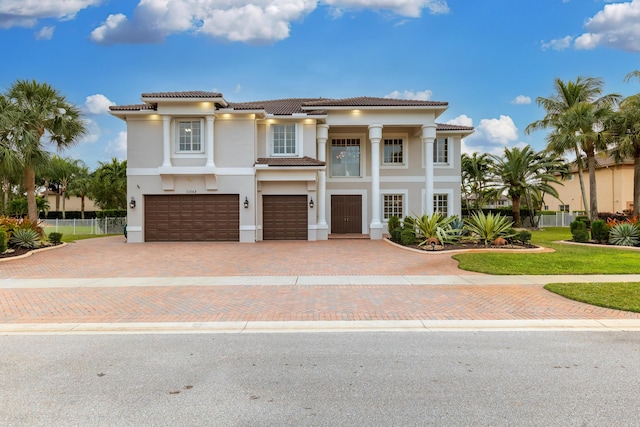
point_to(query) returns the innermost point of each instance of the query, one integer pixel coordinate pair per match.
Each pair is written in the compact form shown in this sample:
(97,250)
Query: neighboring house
(71,204)
(203,168)
(502,202)
(614,183)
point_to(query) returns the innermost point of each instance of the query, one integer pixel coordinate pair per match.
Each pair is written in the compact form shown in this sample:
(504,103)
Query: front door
(346,214)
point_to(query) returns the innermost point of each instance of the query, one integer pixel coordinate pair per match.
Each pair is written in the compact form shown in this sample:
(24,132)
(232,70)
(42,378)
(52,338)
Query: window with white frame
(441,150)
(393,151)
(441,204)
(392,205)
(284,140)
(345,157)
(563,208)
(189,135)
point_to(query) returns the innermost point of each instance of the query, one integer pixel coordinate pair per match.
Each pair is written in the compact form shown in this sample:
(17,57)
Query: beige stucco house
(614,184)
(204,168)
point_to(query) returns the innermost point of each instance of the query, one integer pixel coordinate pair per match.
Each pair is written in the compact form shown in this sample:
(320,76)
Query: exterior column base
(322,232)
(376,231)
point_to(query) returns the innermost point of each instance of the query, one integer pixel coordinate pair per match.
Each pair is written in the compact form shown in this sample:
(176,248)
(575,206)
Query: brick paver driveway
(113,258)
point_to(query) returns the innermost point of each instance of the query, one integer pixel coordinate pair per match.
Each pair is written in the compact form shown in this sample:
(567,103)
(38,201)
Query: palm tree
(475,178)
(627,141)
(577,113)
(80,186)
(635,73)
(523,172)
(62,172)
(32,110)
(109,185)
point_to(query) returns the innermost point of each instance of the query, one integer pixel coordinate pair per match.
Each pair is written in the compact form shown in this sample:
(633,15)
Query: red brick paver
(286,303)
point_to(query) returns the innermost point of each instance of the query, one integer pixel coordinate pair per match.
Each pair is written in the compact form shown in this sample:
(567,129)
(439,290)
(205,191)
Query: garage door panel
(284,217)
(192,218)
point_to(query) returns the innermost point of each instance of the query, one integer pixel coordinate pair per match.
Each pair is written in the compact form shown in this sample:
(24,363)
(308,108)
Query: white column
(209,142)
(428,138)
(166,141)
(322,134)
(375,228)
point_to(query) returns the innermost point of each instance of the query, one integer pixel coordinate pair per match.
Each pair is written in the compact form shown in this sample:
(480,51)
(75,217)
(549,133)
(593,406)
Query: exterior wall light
(246,203)
(311,205)
(132,203)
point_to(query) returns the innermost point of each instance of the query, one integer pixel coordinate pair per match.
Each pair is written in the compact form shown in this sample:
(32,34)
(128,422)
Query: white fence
(560,219)
(85,226)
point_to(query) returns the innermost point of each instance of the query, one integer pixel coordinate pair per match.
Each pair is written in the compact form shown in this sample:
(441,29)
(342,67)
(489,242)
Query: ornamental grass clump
(26,238)
(432,228)
(624,234)
(488,227)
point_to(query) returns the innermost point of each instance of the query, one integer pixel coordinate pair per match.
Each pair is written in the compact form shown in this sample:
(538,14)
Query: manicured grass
(620,296)
(73,237)
(567,259)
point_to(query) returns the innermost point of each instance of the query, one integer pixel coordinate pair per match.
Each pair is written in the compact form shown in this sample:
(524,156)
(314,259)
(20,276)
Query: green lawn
(567,259)
(73,237)
(620,296)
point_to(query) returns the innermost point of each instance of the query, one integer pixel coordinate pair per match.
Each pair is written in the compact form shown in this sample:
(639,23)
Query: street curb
(557,325)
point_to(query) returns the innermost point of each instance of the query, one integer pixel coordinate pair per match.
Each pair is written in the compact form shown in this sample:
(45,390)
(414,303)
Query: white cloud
(93,132)
(118,147)
(45,33)
(409,8)
(558,44)
(98,104)
(25,13)
(491,135)
(258,21)
(616,26)
(424,95)
(461,120)
(521,100)
(238,89)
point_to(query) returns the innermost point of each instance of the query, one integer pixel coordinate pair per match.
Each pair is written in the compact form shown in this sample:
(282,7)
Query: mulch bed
(470,245)
(22,251)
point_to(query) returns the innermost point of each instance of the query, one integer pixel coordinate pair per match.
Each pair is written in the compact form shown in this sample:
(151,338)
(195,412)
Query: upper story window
(189,135)
(345,157)
(441,150)
(284,140)
(393,151)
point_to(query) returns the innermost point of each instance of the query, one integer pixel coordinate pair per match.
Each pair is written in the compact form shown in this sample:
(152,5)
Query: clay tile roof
(278,107)
(289,161)
(135,107)
(444,127)
(187,94)
(365,101)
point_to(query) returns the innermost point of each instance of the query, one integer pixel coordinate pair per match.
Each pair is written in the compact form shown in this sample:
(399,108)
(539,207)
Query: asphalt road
(322,379)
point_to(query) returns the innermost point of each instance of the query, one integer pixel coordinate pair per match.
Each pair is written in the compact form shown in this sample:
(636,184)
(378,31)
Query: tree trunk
(581,178)
(30,186)
(636,182)
(515,210)
(593,194)
(5,193)
(64,214)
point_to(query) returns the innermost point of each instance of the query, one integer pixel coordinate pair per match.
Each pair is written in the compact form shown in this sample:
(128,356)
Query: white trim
(365,204)
(248,228)
(134,228)
(176,138)
(449,194)
(405,198)
(449,165)
(405,153)
(297,132)
(189,170)
(400,178)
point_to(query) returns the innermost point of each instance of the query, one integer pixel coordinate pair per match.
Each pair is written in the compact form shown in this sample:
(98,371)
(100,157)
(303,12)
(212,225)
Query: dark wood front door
(346,214)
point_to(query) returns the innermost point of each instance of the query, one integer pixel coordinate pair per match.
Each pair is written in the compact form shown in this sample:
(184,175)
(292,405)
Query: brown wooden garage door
(192,218)
(284,218)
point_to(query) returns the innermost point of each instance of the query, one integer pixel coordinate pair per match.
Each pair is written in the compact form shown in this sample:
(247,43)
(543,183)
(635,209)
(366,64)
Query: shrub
(55,237)
(408,237)
(396,234)
(25,238)
(408,222)
(523,236)
(489,227)
(434,226)
(624,234)
(584,219)
(600,231)
(577,225)
(393,223)
(3,241)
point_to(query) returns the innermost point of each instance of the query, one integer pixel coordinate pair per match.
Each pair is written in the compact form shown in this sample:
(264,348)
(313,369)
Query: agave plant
(430,228)
(489,227)
(624,234)
(27,238)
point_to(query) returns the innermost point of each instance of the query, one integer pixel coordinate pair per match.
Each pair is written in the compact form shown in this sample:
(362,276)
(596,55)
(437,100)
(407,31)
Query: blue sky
(490,59)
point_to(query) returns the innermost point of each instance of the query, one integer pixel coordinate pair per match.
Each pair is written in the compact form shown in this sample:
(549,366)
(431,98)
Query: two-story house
(203,168)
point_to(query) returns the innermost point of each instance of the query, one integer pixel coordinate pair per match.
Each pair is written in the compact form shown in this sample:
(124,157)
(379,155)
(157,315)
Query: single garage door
(284,218)
(192,218)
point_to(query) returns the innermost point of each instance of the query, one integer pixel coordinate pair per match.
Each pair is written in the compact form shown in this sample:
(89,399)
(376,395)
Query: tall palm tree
(577,112)
(627,141)
(37,109)
(80,186)
(475,178)
(520,173)
(635,73)
(62,172)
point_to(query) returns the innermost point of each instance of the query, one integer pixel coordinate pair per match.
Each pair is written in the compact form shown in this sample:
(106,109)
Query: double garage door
(284,217)
(192,218)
